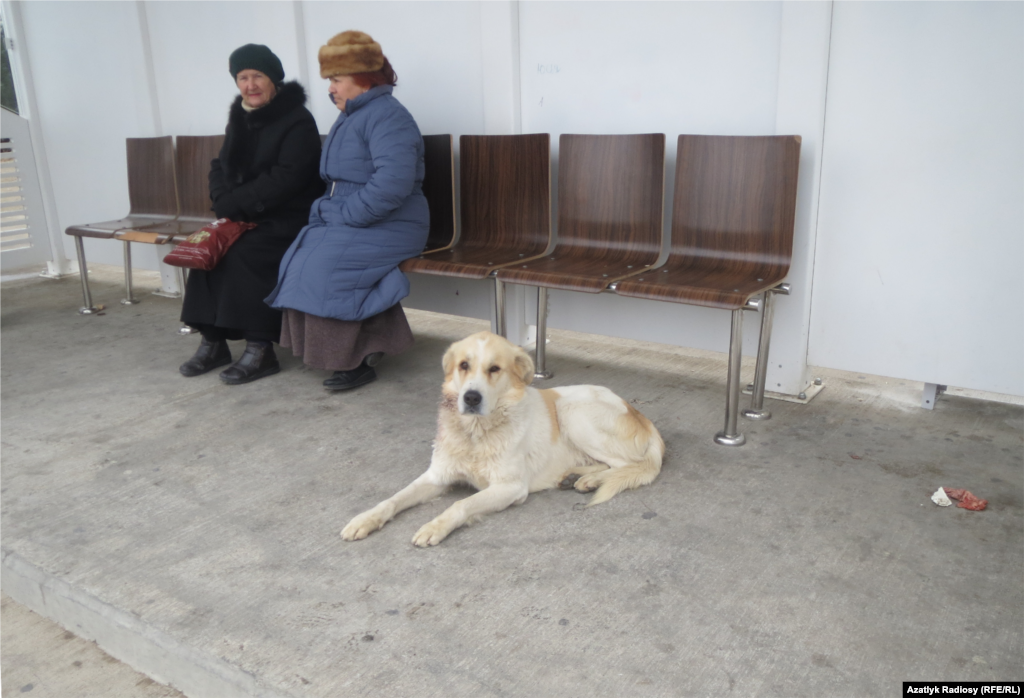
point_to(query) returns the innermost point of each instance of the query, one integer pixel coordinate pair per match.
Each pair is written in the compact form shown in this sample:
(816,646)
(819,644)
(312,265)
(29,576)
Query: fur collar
(289,96)
(238,142)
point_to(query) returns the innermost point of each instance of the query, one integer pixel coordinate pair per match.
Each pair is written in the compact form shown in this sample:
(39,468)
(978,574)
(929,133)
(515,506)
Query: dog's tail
(628,477)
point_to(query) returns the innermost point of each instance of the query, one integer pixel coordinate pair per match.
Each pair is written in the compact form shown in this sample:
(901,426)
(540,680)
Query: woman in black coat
(267,173)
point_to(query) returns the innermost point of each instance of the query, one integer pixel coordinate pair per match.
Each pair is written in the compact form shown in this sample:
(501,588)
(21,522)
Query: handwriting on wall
(547,69)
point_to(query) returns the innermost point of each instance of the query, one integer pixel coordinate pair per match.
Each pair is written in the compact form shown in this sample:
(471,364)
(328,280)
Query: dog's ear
(524,366)
(448,362)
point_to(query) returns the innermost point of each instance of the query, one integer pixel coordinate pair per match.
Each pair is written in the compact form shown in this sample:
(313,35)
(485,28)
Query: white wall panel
(647,67)
(918,272)
(90,92)
(191,42)
(433,46)
(499,38)
(803,81)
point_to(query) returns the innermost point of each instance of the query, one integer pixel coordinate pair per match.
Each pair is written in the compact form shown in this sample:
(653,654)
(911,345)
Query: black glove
(227,207)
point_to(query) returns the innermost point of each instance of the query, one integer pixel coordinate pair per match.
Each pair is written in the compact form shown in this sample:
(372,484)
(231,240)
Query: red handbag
(205,248)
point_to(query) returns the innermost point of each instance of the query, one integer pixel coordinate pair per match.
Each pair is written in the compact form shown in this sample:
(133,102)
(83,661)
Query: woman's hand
(226,207)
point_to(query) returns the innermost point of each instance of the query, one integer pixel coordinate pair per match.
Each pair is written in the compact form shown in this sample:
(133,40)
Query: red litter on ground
(965,500)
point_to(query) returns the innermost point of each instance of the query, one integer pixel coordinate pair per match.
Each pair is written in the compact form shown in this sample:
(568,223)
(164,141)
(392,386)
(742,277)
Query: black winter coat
(267,173)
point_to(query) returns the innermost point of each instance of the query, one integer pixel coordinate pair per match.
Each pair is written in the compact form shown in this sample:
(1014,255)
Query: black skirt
(231,295)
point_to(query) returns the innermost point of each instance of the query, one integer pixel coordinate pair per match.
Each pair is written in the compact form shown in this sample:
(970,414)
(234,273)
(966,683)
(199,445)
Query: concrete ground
(42,658)
(191,528)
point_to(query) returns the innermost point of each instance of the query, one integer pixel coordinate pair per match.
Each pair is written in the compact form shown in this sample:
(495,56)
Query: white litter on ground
(940,498)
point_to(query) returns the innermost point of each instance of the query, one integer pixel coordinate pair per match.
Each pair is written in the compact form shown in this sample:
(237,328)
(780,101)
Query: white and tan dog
(507,439)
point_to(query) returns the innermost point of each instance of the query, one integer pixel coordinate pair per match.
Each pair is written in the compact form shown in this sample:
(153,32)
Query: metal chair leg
(129,297)
(499,307)
(539,369)
(730,436)
(83,271)
(757,411)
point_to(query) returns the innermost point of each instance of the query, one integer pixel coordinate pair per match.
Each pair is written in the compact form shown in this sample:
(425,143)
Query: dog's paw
(569,481)
(588,483)
(430,534)
(361,526)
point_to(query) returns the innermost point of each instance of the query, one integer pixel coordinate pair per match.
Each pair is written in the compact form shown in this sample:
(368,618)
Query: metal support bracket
(540,369)
(499,307)
(757,412)
(931,394)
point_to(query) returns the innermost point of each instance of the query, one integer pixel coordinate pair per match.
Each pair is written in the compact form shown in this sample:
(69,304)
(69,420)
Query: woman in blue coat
(339,284)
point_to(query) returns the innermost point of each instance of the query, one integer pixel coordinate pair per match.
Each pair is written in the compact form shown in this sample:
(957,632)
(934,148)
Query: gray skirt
(341,345)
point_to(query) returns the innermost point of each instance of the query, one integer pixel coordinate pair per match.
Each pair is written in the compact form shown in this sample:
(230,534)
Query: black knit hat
(256,57)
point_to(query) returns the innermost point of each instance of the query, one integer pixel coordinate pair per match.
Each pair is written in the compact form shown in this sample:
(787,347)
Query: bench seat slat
(506,207)
(589,274)
(439,189)
(470,262)
(732,221)
(610,207)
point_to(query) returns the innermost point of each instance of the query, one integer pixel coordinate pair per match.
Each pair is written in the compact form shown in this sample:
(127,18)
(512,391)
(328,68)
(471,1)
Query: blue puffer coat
(344,264)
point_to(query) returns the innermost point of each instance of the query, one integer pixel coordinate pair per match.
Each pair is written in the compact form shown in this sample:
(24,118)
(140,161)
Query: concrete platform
(191,528)
(44,659)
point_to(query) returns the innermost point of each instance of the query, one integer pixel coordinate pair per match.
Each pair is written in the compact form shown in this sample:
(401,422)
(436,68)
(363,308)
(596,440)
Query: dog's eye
(464,366)
(494,369)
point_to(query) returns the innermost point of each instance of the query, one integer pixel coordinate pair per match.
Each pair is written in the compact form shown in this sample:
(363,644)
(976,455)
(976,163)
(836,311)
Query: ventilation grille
(14,232)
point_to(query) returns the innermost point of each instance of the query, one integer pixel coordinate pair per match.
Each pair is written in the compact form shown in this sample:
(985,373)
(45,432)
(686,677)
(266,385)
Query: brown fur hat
(350,52)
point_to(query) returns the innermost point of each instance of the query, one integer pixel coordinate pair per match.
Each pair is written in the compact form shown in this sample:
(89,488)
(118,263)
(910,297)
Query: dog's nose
(472,398)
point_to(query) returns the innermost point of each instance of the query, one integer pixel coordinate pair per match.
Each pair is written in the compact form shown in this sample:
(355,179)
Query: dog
(507,439)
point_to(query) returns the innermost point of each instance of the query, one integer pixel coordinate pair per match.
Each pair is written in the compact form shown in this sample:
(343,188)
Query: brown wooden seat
(732,239)
(732,222)
(192,158)
(506,207)
(439,189)
(610,207)
(611,191)
(151,198)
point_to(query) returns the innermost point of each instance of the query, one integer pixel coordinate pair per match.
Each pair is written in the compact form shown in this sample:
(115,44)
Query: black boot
(360,375)
(258,360)
(210,355)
